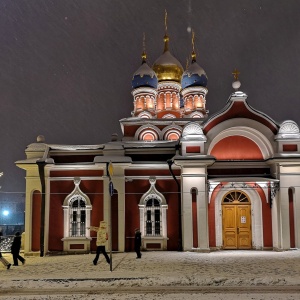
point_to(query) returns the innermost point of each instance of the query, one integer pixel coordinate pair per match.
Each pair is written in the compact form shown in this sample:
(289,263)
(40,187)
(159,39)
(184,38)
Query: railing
(5,243)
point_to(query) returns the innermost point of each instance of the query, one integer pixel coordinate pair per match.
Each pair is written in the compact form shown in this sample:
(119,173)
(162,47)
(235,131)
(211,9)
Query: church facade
(187,180)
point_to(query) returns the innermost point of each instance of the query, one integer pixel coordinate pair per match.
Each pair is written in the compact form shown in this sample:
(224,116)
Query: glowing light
(5,213)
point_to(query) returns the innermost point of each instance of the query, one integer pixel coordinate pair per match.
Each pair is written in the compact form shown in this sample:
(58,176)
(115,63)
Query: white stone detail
(145,115)
(169,116)
(193,131)
(171,129)
(148,128)
(289,127)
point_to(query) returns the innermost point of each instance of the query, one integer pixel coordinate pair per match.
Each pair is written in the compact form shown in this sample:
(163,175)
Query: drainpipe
(41,165)
(170,162)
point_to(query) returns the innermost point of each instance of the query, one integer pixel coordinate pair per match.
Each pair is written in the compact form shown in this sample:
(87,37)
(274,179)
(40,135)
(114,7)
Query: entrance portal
(236,208)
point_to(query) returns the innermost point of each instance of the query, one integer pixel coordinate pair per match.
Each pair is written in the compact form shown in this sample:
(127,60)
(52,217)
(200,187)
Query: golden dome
(167,67)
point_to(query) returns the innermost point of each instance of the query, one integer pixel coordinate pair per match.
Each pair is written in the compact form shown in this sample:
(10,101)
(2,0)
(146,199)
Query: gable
(239,109)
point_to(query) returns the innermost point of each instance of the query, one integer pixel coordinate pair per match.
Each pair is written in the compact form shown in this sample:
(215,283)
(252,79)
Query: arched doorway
(236,220)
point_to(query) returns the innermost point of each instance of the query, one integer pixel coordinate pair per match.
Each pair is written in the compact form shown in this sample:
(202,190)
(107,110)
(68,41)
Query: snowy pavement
(158,275)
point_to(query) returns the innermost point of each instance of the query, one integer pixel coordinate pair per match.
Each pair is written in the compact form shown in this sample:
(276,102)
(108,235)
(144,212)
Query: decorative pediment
(153,193)
(193,131)
(288,130)
(77,192)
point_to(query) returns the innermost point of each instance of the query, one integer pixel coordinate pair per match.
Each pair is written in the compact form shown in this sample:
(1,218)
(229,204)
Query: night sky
(66,66)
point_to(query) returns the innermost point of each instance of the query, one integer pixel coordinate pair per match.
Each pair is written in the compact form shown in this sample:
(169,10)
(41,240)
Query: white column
(194,178)
(275,223)
(202,216)
(297,216)
(32,185)
(284,214)
(106,207)
(47,211)
(186,210)
(119,185)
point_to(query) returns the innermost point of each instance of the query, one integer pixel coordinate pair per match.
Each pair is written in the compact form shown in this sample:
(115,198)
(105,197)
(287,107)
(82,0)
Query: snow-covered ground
(158,275)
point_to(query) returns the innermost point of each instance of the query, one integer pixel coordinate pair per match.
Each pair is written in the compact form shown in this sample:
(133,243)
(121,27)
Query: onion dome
(167,67)
(144,76)
(194,75)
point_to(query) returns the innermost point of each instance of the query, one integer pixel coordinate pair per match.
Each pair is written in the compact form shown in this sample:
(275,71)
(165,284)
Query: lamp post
(109,169)
(170,163)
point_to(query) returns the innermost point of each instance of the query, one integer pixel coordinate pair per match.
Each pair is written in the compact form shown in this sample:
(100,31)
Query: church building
(189,181)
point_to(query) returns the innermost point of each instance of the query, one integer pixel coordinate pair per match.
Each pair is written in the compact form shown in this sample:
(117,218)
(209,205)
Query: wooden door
(236,222)
(243,227)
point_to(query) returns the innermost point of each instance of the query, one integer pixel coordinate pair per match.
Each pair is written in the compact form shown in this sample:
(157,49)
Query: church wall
(60,189)
(94,190)
(135,190)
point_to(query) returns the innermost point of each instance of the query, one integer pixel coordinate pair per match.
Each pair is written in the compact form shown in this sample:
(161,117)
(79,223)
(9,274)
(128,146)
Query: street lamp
(5,213)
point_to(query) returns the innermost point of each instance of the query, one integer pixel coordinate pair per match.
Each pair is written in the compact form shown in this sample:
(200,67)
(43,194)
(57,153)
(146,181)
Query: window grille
(77,217)
(153,218)
(234,197)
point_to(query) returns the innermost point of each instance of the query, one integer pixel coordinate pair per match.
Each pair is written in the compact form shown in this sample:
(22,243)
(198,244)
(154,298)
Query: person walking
(4,261)
(137,243)
(15,249)
(102,237)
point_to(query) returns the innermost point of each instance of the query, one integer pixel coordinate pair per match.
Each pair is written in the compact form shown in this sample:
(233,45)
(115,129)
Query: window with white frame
(77,210)
(153,215)
(153,212)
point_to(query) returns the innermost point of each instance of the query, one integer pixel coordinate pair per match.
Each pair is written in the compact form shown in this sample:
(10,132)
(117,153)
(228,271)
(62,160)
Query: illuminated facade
(188,180)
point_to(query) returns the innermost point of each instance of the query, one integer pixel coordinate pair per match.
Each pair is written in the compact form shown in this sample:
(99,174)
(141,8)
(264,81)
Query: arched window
(153,217)
(77,219)
(77,214)
(236,197)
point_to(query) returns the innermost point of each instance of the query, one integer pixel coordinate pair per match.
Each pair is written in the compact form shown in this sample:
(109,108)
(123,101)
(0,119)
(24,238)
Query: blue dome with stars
(194,76)
(144,77)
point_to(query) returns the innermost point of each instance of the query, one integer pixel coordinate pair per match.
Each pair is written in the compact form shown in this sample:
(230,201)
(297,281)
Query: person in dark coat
(15,250)
(137,243)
